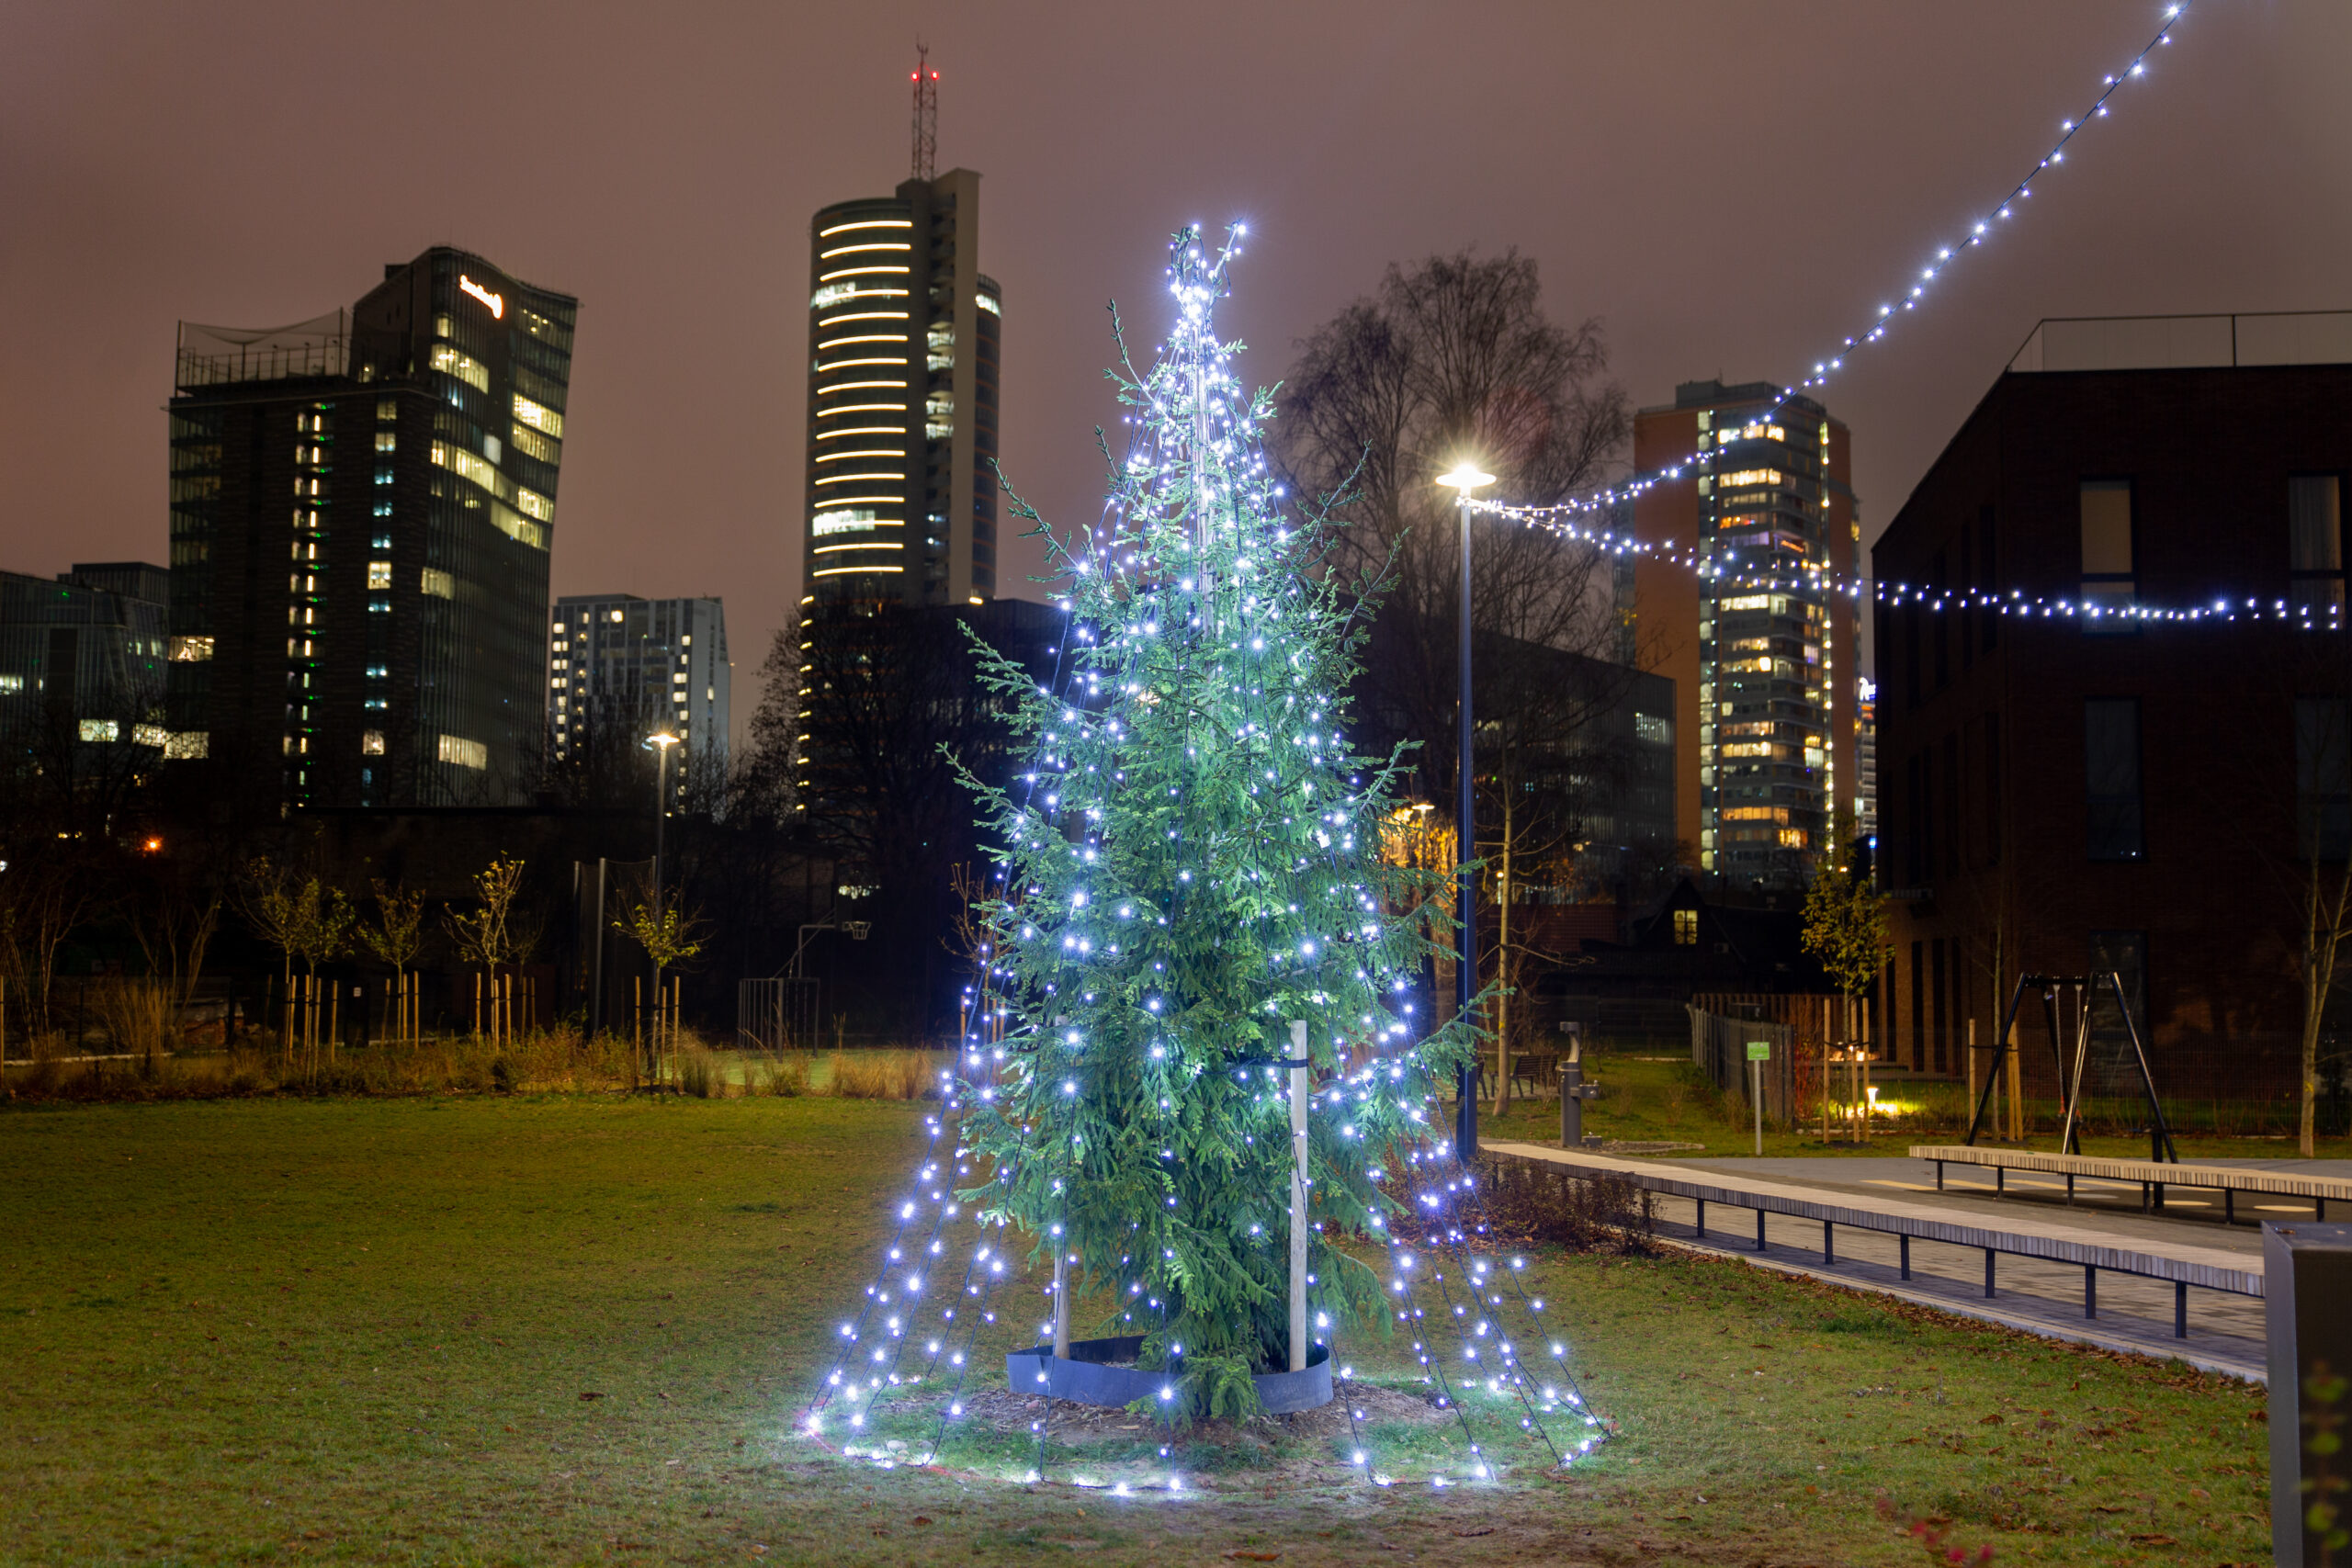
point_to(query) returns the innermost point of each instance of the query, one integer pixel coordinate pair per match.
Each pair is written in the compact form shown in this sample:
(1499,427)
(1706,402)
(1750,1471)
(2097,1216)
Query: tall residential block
(903,340)
(362,510)
(621,669)
(1762,641)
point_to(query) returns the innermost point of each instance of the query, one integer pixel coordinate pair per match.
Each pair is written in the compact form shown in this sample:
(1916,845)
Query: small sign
(1759,1050)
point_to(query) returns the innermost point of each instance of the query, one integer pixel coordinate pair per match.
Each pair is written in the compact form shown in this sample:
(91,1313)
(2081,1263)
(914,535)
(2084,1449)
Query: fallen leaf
(1254,1556)
(592,1396)
(1996,1419)
(920,1520)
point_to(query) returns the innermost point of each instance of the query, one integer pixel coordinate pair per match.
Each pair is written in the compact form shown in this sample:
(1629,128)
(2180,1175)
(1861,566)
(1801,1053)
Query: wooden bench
(2181,1265)
(2152,1175)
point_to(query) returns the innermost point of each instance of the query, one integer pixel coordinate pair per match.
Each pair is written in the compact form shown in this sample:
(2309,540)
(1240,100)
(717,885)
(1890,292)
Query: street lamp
(1465,479)
(661,741)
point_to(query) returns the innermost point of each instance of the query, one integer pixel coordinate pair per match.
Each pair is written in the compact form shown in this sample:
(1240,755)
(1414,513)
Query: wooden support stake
(1298,1195)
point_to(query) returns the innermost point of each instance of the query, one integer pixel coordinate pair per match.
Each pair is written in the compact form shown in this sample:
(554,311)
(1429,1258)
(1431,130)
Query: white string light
(1561,516)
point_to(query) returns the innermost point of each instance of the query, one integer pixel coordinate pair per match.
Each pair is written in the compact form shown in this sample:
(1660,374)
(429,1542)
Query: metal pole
(1061,1297)
(1756,1096)
(1298,1195)
(661,816)
(1466,967)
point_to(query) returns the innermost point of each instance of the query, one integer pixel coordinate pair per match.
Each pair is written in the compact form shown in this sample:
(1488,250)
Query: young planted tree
(670,934)
(485,934)
(1845,926)
(396,937)
(299,915)
(1190,862)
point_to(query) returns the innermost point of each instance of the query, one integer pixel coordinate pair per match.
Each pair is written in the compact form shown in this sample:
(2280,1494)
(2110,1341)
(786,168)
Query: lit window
(837,293)
(379,574)
(530,443)
(538,416)
(1745,476)
(179,745)
(371,742)
(464,753)
(99,729)
(438,583)
(386,441)
(464,367)
(616,616)
(1685,928)
(387,410)
(989,302)
(190,650)
(843,520)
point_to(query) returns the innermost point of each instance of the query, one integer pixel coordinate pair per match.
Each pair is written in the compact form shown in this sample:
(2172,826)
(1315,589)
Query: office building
(904,339)
(1762,648)
(362,510)
(82,655)
(621,668)
(2067,788)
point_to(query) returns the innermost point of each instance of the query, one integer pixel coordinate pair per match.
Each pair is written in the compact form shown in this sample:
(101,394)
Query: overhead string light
(1907,297)
(2017,602)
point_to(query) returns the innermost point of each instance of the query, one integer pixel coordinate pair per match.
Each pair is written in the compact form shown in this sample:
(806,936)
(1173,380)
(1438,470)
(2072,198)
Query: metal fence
(776,1014)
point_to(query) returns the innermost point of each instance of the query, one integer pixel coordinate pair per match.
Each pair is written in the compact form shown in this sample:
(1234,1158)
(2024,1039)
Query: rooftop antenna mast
(926,113)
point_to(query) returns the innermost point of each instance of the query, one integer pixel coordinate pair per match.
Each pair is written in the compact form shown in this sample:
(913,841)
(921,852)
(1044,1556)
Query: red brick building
(2061,789)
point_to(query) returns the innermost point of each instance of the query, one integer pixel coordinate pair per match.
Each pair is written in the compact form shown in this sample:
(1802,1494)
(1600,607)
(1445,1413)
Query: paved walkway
(2226,1331)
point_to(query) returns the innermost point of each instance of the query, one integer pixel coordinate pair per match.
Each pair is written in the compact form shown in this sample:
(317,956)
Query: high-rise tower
(396,462)
(1761,649)
(903,338)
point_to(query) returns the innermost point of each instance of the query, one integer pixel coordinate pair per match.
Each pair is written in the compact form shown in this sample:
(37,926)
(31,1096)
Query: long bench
(2183,1264)
(2152,1175)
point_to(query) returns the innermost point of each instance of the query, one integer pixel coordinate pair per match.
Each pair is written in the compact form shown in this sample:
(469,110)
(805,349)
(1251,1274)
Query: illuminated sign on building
(497,302)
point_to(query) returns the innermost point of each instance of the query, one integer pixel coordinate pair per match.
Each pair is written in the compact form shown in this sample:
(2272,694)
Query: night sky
(1732,188)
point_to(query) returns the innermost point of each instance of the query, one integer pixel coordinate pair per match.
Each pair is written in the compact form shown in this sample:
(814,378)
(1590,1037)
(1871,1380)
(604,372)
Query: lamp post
(661,741)
(1465,479)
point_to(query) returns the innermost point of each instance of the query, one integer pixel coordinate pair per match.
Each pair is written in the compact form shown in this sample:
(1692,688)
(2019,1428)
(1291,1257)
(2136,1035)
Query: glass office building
(397,463)
(904,334)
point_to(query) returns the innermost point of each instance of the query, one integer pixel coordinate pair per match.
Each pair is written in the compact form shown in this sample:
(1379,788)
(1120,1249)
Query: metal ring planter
(1084,1376)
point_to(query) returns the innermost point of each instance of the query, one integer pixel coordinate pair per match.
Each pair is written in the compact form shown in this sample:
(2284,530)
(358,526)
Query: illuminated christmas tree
(1191,864)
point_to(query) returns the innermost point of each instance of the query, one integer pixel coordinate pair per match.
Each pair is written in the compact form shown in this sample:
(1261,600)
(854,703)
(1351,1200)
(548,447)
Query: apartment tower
(1760,640)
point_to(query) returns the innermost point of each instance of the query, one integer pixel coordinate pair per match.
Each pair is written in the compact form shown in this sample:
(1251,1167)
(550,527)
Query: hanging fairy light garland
(1562,518)
(2015,603)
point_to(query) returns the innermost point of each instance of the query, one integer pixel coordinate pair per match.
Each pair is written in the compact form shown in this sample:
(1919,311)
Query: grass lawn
(577,1329)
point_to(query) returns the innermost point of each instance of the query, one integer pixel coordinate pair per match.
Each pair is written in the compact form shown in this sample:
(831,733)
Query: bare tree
(1453,359)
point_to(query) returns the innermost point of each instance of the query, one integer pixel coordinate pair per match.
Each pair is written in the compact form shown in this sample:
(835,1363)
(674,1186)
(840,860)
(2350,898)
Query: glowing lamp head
(1466,476)
(663,739)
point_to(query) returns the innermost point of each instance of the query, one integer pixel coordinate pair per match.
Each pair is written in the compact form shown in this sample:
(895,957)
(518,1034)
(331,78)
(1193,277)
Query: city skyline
(681,228)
